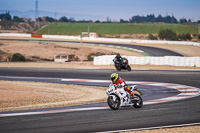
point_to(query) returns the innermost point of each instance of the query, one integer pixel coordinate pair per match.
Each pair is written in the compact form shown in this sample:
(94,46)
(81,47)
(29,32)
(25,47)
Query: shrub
(18,57)
(185,37)
(90,57)
(167,34)
(198,37)
(72,57)
(152,37)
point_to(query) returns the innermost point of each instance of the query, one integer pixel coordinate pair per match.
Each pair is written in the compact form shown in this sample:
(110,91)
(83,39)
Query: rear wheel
(113,103)
(128,68)
(118,68)
(137,100)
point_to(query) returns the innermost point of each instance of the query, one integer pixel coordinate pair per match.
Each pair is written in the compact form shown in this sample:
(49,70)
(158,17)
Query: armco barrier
(15,34)
(104,39)
(166,60)
(61,37)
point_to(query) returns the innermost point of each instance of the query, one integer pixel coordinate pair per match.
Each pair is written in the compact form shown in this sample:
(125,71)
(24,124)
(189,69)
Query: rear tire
(113,104)
(118,69)
(128,68)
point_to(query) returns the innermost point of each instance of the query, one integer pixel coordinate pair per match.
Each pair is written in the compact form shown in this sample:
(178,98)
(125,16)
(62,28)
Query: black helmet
(118,54)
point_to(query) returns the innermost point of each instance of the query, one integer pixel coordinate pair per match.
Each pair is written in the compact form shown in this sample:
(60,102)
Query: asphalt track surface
(163,114)
(152,51)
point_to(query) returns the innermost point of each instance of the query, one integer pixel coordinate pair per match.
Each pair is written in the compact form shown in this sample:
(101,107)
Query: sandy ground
(35,50)
(187,129)
(20,95)
(47,51)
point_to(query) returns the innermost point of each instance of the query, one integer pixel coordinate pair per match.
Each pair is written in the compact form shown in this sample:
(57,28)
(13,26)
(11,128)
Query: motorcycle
(122,65)
(118,97)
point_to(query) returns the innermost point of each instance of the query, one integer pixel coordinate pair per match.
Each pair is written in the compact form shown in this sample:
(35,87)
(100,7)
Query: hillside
(117,29)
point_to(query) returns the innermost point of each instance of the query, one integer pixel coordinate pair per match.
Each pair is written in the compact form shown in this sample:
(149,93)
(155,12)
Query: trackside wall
(166,60)
(102,39)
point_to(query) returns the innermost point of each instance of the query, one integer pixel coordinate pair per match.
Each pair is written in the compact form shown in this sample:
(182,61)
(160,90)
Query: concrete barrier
(166,60)
(61,37)
(104,39)
(15,34)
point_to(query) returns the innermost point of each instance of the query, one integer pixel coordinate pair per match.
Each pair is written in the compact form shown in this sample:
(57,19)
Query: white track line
(186,92)
(151,128)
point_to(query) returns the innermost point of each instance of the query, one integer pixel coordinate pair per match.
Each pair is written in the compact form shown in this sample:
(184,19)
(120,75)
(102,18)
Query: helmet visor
(114,79)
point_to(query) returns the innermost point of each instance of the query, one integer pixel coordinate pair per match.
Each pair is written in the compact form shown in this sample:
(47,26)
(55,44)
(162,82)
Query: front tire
(113,104)
(137,100)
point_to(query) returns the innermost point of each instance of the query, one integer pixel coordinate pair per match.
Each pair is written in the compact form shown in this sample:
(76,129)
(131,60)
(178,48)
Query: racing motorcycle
(122,65)
(118,97)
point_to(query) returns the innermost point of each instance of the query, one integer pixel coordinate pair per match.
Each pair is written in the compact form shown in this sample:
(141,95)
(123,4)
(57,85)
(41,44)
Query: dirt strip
(187,129)
(89,65)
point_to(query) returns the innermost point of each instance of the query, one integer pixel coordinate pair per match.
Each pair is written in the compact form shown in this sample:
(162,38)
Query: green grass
(114,28)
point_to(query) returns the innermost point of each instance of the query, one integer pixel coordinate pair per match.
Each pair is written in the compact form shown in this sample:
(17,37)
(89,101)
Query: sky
(114,9)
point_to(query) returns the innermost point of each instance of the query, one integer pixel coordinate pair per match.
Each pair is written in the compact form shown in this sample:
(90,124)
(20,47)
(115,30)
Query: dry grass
(20,95)
(36,51)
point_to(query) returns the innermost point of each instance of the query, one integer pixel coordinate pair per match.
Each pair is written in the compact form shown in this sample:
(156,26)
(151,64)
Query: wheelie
(121,63)
(120,94)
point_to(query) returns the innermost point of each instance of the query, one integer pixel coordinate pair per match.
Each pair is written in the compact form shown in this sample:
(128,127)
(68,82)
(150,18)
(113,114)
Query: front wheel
(137,100)
(113,103)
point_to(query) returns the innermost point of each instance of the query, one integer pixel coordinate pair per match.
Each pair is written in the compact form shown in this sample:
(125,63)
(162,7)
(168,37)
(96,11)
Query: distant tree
(159,18)
(183,20)
(98,21)
(63,19)
(72,20)
(50,19)
(40,19)
(167,19)
(17,19)
(151,19)
(174,20)
(5,16)
(123,21)
(137,19)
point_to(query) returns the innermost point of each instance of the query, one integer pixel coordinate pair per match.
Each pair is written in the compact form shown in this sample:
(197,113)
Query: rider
(117,58)
(120,83)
